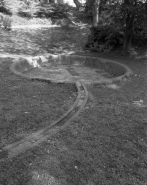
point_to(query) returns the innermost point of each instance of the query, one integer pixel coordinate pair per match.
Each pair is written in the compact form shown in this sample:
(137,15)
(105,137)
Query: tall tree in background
(129,11)
(93,6)
(134,13)
(95,12)
(78,4)
(126,18)
(146,26)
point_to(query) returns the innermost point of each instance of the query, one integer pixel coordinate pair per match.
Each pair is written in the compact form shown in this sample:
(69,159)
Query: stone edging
(27,63)
(121,71)
(34,139)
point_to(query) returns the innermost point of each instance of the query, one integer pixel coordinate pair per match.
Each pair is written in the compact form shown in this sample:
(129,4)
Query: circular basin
(71,68)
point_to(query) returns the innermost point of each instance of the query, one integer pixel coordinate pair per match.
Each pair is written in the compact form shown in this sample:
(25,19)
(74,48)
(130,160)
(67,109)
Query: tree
(146,26)
(92,7)
(127,19)
(78,4)
(134,14)
(88,5)
(129,16)
(128,24)
(95,11)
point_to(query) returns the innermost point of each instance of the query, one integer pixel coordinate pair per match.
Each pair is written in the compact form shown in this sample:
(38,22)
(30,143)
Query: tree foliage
(114,19)
(127,18)
(36,8)
(104,38)
(54,11)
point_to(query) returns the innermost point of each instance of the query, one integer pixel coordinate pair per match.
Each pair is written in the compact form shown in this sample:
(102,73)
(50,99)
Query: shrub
(7,22)
(139,37)
(104,38)
(5,10)
(27,9)
(53,11)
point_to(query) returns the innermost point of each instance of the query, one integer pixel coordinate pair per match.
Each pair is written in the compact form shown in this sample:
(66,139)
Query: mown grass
(26,106)
(106,144)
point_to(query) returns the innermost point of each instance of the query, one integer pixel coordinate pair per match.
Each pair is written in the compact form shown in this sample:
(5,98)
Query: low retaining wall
(119,71)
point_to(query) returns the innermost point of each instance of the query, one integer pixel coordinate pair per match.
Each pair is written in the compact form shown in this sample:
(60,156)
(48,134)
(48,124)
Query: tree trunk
(78,4)
(146,28)
(128,29)
(88,5)
(127,39)
(51,1)
(96,12)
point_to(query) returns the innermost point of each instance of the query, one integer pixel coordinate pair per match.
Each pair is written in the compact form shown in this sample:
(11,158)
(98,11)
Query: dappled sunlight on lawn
(41,41)
(105,144)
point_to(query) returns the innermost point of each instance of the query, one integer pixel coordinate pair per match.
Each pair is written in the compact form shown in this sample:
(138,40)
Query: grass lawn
(105,145)
(26,106)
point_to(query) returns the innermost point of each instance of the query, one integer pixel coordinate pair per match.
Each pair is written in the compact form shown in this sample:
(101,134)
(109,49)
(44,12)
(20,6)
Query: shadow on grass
(106,144)
(40,41)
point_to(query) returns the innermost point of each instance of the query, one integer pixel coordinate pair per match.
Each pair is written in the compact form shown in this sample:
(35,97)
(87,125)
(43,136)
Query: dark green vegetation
(29,10)
(42,41)
(104,39)
(118,23)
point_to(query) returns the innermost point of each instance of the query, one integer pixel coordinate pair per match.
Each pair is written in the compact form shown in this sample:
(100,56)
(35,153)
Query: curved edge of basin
(121,71)
(29,63)
(11,150)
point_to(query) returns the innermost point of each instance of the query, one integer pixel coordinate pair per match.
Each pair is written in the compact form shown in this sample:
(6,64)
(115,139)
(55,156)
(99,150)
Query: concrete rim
(16,148)
(39,136)
(125,72)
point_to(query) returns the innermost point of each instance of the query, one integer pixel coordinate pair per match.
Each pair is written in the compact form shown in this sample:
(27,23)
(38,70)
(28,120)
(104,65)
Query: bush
(53,11)
(7,22)
(139,37)
(27,9)
(23,13)
(5,10)
(104,39)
